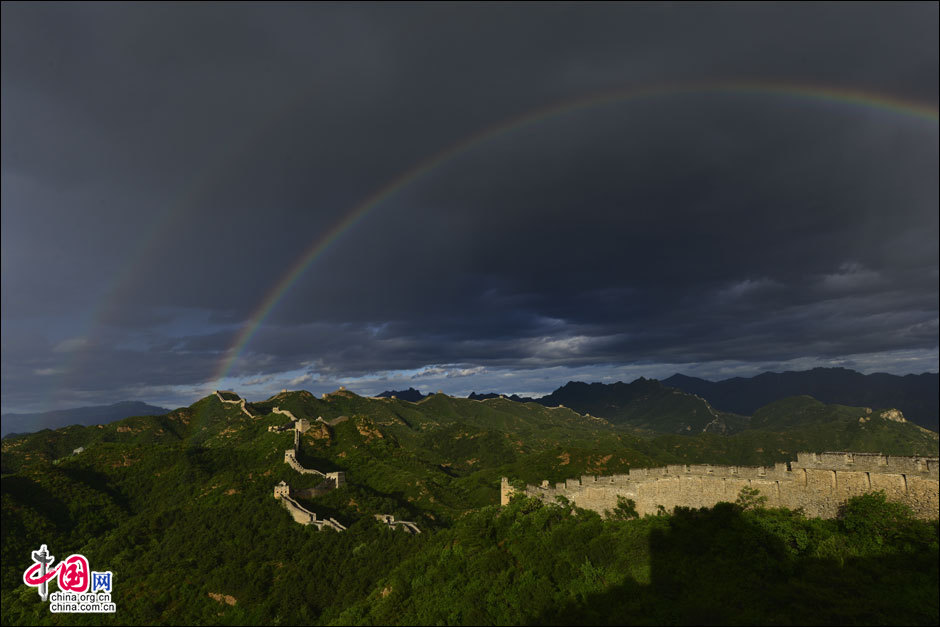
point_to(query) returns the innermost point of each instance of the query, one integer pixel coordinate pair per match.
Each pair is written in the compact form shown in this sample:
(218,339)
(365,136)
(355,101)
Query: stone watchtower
(281,489)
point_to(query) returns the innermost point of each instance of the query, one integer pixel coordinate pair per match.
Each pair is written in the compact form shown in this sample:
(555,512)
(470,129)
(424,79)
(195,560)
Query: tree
(750,498)
(625,510)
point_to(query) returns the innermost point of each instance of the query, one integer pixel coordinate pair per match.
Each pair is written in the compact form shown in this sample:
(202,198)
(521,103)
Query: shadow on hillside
(351,503)
(320,463)
(99,482)
(718,567)
(24,490)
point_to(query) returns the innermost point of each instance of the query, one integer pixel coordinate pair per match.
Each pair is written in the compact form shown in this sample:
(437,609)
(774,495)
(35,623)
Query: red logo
(73,574)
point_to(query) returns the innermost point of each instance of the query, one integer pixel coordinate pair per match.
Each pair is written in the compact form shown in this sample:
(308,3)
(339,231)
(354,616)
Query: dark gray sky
(165,165)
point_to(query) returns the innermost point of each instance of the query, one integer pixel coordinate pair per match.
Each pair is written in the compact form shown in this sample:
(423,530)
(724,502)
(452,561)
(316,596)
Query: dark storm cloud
(163,167)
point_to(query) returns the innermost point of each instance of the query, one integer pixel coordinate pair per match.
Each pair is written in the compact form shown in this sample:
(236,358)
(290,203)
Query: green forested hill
(180,507)
(646,404)
(531,563)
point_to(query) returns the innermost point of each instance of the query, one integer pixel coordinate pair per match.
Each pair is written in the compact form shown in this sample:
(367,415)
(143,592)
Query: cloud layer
(163,168)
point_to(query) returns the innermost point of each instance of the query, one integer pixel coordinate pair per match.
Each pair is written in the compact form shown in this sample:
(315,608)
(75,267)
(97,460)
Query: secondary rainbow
(841,96)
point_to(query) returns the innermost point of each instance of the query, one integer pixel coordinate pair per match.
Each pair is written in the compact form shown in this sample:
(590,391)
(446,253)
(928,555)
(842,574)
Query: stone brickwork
(817,482)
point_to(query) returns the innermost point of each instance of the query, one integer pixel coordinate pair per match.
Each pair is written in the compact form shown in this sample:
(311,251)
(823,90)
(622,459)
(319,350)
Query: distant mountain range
(101,414)
(410,394)
(688,404)
(645,404)
(414,396)
(916,395)
(679,404)
(513,397)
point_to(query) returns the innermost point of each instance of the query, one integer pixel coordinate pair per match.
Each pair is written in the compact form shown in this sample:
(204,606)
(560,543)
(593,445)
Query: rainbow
(841,96)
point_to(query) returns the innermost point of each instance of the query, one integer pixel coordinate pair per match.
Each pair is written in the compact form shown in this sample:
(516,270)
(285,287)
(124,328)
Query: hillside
(782,429)
(645,404)
(189,494)
(531,563)
(915,395)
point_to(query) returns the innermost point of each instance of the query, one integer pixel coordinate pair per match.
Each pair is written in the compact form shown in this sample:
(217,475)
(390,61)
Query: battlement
(871,462)
(281,490)
(817,482)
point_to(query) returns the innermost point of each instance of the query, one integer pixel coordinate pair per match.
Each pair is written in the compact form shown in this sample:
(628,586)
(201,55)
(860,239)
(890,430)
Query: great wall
(817,483)
(404,525)
(240,402)
(331,480)
(301,514)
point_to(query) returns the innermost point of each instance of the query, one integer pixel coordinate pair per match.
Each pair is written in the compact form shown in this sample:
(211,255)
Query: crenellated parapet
(870,462)
(819,483)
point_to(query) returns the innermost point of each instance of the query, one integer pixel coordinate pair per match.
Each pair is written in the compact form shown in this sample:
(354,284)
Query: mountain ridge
(17,423)
(916,395)
(198,482)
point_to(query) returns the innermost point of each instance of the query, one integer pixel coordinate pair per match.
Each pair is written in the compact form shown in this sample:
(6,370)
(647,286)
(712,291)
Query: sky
(461,197)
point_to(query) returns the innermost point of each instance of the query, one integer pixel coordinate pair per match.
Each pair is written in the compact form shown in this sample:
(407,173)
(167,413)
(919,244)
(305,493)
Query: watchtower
(281,489)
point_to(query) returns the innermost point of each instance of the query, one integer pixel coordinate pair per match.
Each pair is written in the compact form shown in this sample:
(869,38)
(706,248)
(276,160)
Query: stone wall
(405,525)
(817,482)
(335,479)
(240,403)
(305,517)
(290,458)
(284,412)
(331,480)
